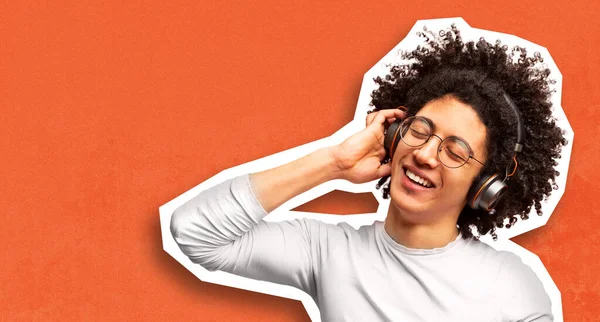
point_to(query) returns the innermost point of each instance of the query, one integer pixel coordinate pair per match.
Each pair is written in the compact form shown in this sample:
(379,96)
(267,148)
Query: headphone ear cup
(392,137)
(484,195)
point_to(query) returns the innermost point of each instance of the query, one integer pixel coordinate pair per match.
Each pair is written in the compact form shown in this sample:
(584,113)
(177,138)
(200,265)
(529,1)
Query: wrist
(333,164)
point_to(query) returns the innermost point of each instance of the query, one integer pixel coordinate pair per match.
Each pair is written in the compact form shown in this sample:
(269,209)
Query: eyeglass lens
(452,152)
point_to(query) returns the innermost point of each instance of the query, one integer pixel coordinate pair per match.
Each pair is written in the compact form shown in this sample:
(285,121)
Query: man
(466,110)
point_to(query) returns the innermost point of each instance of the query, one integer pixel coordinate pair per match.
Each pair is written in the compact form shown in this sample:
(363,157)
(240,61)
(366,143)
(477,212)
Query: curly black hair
(478,74)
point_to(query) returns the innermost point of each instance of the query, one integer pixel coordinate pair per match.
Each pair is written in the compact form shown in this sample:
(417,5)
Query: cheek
(460,183)
(401,152)
(397,160)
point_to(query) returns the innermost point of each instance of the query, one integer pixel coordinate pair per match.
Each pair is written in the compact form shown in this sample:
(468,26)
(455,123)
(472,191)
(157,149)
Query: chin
(411,209)
(401,188)
(404,201)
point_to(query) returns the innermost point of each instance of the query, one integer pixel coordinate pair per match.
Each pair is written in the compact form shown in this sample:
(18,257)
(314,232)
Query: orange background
(109,111)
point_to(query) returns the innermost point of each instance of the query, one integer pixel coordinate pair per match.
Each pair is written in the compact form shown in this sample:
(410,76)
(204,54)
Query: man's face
(448,187)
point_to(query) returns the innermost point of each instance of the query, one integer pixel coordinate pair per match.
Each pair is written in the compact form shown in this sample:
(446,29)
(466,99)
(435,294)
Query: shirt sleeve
(222,229)
(527,298)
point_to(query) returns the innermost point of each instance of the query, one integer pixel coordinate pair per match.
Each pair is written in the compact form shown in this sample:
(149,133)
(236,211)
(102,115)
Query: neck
(428,235)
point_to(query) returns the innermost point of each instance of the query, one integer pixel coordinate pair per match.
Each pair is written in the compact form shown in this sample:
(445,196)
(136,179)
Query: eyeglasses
(452,152)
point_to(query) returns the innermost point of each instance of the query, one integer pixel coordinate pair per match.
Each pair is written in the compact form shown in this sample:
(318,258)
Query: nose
(427,154)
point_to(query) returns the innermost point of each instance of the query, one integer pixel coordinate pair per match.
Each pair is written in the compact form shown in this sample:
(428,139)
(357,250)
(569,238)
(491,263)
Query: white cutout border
(284,212)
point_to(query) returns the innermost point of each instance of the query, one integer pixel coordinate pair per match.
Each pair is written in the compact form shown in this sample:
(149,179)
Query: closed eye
(454,155)
(418,134)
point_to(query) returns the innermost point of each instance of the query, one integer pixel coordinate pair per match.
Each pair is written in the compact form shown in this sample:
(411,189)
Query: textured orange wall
(109,111)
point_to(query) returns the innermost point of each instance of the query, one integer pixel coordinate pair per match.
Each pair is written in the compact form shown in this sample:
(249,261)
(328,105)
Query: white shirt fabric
(357,275)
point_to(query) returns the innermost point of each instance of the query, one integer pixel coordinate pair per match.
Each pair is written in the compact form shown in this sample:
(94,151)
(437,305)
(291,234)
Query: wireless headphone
(485,193)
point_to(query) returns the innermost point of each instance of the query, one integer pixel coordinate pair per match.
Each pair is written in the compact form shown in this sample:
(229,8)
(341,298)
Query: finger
(381,153)
(384,170)
(379,121)
(370,118)
(390,114)
(391,120)
(397,113)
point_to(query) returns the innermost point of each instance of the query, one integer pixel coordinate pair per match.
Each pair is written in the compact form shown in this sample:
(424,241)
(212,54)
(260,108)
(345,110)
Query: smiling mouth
(416,179)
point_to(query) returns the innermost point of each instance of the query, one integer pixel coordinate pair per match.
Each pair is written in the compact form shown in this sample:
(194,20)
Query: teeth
(418,179)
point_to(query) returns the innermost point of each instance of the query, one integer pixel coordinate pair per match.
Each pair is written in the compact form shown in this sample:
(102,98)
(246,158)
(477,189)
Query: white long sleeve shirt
(357,275)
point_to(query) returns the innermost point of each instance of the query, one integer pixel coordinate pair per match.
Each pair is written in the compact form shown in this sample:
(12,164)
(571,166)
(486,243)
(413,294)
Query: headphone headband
(520,127)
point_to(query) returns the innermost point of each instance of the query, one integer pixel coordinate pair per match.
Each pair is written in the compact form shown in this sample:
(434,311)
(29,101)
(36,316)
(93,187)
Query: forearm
(275,186)
(206,225)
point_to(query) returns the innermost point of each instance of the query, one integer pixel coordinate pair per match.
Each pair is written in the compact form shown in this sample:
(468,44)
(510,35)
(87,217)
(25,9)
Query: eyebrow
(430,122)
